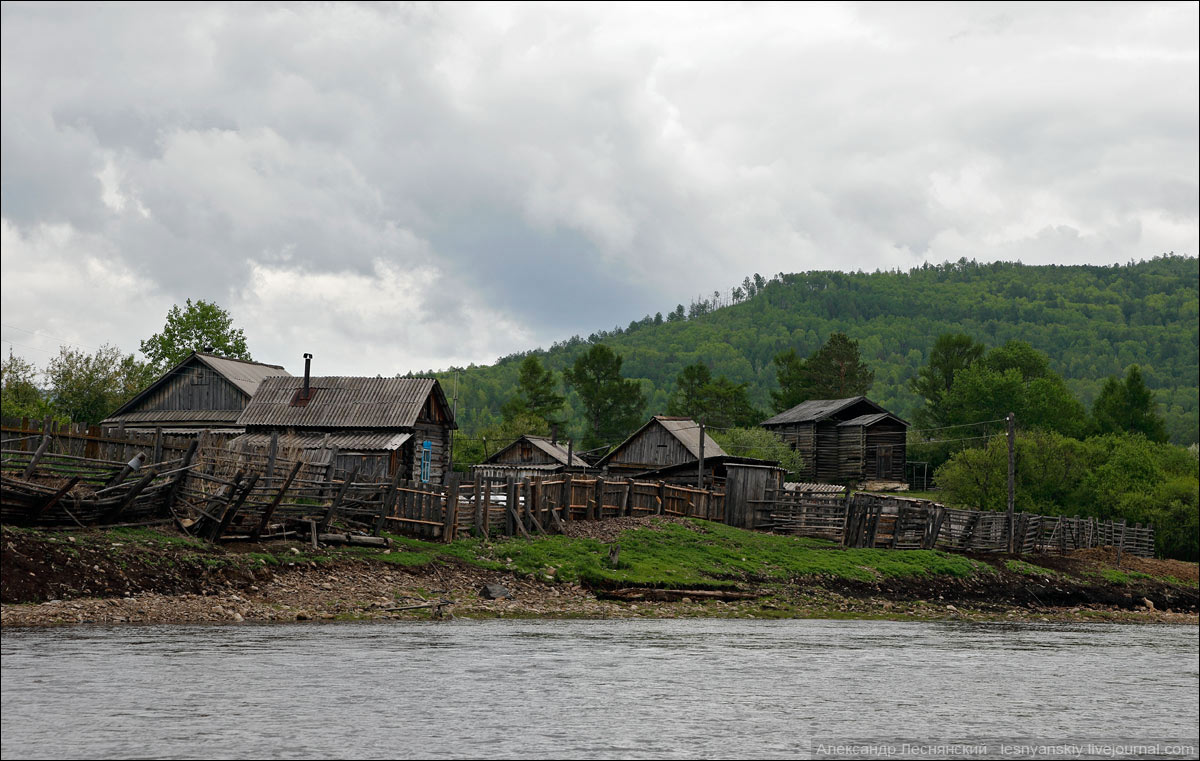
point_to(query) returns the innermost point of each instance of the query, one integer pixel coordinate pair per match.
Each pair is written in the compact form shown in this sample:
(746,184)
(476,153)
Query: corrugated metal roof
(345,442)
(242,373)
(175,416)
(814,488)
(817,409)
(341,402)
(871,419)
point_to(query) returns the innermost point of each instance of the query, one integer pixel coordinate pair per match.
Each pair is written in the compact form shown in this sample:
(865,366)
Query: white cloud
(564,168)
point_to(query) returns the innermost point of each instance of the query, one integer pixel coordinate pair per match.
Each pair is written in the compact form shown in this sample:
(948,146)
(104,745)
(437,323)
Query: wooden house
(529,456)
(203,392)
(382,425)
(844,440)
(662,442)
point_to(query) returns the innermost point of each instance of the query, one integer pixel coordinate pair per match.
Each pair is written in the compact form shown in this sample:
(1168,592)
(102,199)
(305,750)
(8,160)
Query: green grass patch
(1115,576)
(1029,569)
(713,555)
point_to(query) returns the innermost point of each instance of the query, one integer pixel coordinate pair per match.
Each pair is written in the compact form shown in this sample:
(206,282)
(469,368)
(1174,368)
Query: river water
(601,689)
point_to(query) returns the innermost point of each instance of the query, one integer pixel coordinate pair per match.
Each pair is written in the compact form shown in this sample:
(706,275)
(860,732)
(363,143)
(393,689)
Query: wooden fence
(71,475)
(872,520)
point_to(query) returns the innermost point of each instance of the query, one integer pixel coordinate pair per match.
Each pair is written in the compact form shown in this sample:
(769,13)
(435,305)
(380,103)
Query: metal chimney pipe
(307,366)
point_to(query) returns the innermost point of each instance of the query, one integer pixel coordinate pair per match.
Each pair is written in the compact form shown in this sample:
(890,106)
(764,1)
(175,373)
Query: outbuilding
(850,440)
(204,392)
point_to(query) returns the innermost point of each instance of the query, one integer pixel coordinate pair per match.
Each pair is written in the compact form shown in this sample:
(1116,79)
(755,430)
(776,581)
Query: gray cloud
(542,170)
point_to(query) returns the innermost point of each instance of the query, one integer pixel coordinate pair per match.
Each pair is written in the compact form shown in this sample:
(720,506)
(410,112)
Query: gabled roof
(243,374)
(343,402)
(818,409)
(556,451)
(684,429)
(865,420)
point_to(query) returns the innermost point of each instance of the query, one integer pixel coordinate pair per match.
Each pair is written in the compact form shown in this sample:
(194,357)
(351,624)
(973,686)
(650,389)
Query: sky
(398,188)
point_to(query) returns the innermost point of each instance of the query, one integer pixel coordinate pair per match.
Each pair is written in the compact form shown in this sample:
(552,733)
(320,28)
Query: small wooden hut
(745,481)
(844,440)
(662,442)
(203,392)
(529,456)
(380,424)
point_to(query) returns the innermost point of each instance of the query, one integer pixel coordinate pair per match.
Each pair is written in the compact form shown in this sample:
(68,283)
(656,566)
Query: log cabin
(203,392)
(383,425)
(850,440)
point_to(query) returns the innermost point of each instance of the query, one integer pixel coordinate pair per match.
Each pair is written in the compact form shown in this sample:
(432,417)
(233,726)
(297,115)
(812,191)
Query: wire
(40,333)
(957,425)
(965,438)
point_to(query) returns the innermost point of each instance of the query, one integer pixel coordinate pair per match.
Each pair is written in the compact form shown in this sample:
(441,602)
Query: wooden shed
(203,392)
(745,481)
(529,456)
(383,424)
(662,442)
(844,440)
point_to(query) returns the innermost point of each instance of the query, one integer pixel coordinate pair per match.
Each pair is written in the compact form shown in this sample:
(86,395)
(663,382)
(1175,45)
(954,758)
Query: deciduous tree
(193,328)
(86,388)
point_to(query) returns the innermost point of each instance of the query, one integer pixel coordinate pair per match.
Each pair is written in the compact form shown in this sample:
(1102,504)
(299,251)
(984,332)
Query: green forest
(1093,322)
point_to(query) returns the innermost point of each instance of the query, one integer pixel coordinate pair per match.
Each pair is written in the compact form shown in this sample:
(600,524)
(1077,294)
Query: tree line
(86,387)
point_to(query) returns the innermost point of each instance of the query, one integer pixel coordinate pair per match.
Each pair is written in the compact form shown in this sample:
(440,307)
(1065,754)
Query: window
(426,459)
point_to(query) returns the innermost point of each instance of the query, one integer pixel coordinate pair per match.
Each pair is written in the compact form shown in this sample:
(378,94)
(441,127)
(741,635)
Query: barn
(203,392)
(850,440)
(530,456)
(662,442)
(380,425)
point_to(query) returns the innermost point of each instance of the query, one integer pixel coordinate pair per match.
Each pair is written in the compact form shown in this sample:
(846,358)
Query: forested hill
(1092,321)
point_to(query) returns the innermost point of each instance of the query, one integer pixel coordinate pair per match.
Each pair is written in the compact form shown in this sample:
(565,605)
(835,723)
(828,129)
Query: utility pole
(1012,479)
(700,472)
(454,413)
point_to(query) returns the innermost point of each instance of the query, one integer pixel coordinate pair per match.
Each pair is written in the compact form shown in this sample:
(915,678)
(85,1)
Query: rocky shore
(91,578)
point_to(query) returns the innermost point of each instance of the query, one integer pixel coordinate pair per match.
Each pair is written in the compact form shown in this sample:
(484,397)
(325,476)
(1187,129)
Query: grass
(1113,576)
(704,555)
(1029,569)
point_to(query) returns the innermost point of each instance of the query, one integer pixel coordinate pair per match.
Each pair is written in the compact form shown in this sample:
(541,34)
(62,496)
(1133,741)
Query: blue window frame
(426,458)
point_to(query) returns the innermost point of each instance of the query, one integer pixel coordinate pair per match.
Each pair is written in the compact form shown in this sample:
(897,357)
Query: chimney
(307,366)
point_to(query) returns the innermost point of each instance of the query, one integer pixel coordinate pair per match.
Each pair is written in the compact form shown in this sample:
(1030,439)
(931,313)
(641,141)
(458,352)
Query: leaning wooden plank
(418,521)
(53,499)
(254,535)
(223,525)
(337,501)
(184,466)
(130,496)
(33,461)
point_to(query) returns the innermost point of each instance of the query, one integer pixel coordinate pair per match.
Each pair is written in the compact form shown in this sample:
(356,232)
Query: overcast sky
(397,188)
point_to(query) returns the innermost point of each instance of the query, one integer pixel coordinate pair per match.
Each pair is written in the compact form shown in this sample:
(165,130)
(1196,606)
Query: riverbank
(645,567)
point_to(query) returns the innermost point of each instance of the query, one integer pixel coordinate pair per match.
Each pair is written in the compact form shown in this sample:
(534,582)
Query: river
(601,689)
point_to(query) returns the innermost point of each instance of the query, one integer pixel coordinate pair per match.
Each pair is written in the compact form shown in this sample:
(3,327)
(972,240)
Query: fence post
(662,498)
(568,495)
(450,521)
(599,500)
